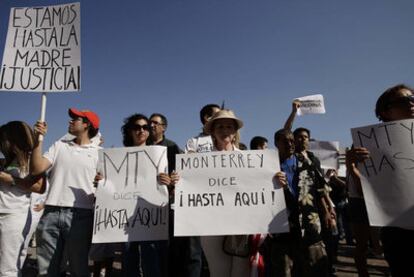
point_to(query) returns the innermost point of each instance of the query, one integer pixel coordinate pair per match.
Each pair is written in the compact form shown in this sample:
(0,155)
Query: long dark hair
(128,124)
(383,102)
(16,143)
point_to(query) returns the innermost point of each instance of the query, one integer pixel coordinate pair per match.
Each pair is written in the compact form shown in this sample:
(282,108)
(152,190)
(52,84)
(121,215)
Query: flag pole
(43,112)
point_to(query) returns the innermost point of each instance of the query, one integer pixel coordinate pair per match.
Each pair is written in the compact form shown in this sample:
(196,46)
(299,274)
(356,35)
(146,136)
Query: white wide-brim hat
(222,114)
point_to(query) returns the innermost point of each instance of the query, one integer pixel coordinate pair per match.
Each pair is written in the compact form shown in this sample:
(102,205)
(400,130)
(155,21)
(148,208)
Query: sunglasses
(137,127)
(402,101)
(78,118)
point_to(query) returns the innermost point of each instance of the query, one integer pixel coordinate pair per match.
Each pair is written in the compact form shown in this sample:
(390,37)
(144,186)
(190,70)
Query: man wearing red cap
(66,224)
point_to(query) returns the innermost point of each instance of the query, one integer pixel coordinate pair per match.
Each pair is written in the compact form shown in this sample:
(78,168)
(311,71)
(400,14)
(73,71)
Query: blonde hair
(236,140)
(16,143)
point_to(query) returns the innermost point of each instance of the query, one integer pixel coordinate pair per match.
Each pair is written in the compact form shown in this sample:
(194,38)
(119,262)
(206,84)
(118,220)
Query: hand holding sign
(229,192)
(312,104)
(42,51)
(40,129)
(132,199)
(385,154)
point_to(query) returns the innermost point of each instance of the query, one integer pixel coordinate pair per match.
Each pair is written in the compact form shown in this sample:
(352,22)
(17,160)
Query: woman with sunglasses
(396,103)
(144,258)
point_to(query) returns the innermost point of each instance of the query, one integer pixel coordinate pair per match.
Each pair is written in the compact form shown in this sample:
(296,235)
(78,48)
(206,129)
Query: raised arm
(291,118)
(38,163)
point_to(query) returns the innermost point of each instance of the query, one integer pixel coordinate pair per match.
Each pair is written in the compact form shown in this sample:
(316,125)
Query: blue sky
(174,56)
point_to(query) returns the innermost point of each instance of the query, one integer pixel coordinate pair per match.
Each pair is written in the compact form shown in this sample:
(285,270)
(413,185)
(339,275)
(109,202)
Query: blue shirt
(290,166)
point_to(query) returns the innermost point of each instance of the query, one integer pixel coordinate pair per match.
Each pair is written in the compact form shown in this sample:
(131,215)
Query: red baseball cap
(91,116)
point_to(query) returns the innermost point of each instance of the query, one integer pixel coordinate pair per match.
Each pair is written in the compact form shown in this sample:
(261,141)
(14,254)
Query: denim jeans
(131,260)
(146,258)
(185,257)
(185,254)
(154,258)
(64,235)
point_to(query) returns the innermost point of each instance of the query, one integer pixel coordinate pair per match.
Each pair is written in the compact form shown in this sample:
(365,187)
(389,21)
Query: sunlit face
(286,146)
(157,126)
(401,106)
(224,131)
(139,132)
(302,141)
(77,126)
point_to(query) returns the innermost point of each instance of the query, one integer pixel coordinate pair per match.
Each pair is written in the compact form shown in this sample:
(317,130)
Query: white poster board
(327,152)
(130,204)
(311,104)
(388,176)
(229,192)
(42,51)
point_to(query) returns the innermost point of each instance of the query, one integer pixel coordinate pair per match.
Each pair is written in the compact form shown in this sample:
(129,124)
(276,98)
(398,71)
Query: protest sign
(312,104)
(327,152)
(387,176)
(42,51)
(130,204)
(229,192)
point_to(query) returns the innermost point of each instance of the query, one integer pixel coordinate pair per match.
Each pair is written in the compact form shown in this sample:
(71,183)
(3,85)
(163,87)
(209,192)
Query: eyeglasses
(137,127)
(402,101)
(84,120)
(156,123)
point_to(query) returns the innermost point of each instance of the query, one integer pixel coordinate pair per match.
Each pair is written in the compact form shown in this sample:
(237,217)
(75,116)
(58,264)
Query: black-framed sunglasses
(402,101)
(137,127)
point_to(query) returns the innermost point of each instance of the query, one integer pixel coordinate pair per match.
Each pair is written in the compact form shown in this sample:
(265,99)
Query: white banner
(42,51)
(327,152)
(387,177)
(312,104)
(130,204)
(223,193)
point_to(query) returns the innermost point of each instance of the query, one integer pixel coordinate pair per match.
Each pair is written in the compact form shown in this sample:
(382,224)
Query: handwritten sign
(327,152)
(387,176)
(312,104)
(222,193)
(130,204)
(42,51)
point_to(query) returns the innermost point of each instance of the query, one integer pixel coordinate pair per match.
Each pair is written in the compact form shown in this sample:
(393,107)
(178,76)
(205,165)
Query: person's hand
(174,178)
(357,154)
(330,220)
(295,105)
(6,178)
(281,179)
(164,179)
(40,128)
(98,177)
(38,207)
(331,173)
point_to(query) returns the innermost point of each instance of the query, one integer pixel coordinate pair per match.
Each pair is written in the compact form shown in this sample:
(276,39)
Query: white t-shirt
(12,198)
(199,144)
(72,174)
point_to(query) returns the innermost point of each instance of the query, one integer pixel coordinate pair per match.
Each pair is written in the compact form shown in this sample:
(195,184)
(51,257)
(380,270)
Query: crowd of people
(51,194)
